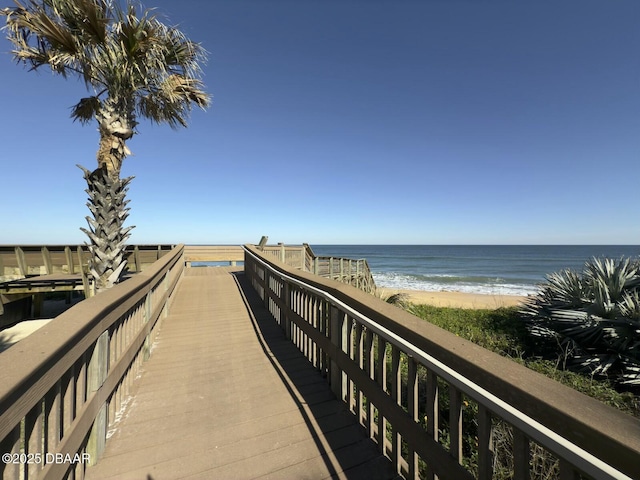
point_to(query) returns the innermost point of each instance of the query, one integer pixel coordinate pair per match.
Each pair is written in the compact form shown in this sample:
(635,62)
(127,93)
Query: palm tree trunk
(106,232)
(115,128)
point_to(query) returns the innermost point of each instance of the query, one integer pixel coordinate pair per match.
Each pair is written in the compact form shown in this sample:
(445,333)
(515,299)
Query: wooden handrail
(345,270)
(343,331)
(19,261)
(59,400)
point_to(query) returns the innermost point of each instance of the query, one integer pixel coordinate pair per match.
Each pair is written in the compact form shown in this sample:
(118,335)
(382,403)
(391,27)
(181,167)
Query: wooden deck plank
(224,395)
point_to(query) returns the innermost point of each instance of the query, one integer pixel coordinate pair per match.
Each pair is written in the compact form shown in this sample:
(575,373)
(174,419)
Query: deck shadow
(344,445)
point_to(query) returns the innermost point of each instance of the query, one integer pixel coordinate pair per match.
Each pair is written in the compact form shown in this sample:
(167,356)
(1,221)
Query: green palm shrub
(593,317)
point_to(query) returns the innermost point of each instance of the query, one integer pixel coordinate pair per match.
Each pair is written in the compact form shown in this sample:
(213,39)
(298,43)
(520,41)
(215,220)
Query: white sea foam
(446,283)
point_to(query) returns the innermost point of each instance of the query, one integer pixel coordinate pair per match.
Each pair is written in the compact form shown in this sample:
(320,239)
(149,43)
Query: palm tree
(135,67)
(594,317)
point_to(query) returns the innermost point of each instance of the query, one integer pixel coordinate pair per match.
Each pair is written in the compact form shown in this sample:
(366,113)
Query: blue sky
(370,121)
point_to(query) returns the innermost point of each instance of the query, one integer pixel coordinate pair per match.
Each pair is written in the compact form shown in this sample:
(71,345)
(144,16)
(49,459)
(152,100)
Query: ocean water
(487,269)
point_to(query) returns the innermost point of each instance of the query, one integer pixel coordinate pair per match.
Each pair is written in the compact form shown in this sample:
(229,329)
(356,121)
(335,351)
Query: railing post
(286,302)
(46,259)
(266,289)
(338,338)
(22,263)
(96,375)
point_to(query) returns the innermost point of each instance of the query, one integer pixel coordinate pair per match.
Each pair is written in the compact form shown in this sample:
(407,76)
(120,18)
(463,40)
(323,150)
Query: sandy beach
(458,299)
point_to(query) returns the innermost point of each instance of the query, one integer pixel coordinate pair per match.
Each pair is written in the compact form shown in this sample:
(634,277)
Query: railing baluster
(315,323)
(370,368)
(67,390)
(33,429)
(432,411)
(455,423)
(53,418)
(338,338)
(521,455)
(359,343)
(11,445)
(350,350)
(382,381)
(396,394)
(412,407)
(97,373)
(80,384)
(485,444)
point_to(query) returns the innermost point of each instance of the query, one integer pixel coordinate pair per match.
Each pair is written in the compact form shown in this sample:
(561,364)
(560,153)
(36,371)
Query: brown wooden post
(53,417)
(521,455)
(20,260)
(265,275)
(46,260)
(146,349)
(286,301)
(382,382)
(338,335)
(136,258)
(96,375)
(38,300)
(69,257)
(485,444)
(412,406)
(11,444)
(33,436)
(396,394)
(432,412)
(370,368)
(455,423)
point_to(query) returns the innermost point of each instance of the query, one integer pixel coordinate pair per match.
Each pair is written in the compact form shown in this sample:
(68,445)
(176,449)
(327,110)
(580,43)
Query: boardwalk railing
(62,387)
(29,271)
(344,270)
(20,261)
(417,389)
(213,253)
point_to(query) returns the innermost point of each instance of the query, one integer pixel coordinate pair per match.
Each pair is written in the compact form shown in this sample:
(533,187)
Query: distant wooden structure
(231,254)
(354,272)
(28,271)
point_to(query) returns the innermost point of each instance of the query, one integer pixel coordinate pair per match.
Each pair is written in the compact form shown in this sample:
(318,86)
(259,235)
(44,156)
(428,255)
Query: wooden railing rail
(62,387)
(413,386)
(19,261)
(292,255)
(346,270)
(213,253)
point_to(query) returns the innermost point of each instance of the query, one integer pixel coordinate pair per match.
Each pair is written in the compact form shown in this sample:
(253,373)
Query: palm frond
(85,110)
(595,316)
(629,305)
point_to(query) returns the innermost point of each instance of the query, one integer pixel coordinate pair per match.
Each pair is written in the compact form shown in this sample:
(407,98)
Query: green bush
(592,319)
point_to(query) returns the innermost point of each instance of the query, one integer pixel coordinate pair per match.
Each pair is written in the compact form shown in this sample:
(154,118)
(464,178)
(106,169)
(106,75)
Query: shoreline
(458,299)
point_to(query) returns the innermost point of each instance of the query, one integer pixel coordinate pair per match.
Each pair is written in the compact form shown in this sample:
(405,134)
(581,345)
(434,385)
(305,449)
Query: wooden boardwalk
(225,396)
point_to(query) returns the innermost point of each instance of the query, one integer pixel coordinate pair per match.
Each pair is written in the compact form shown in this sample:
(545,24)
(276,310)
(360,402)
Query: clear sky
(360,121)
